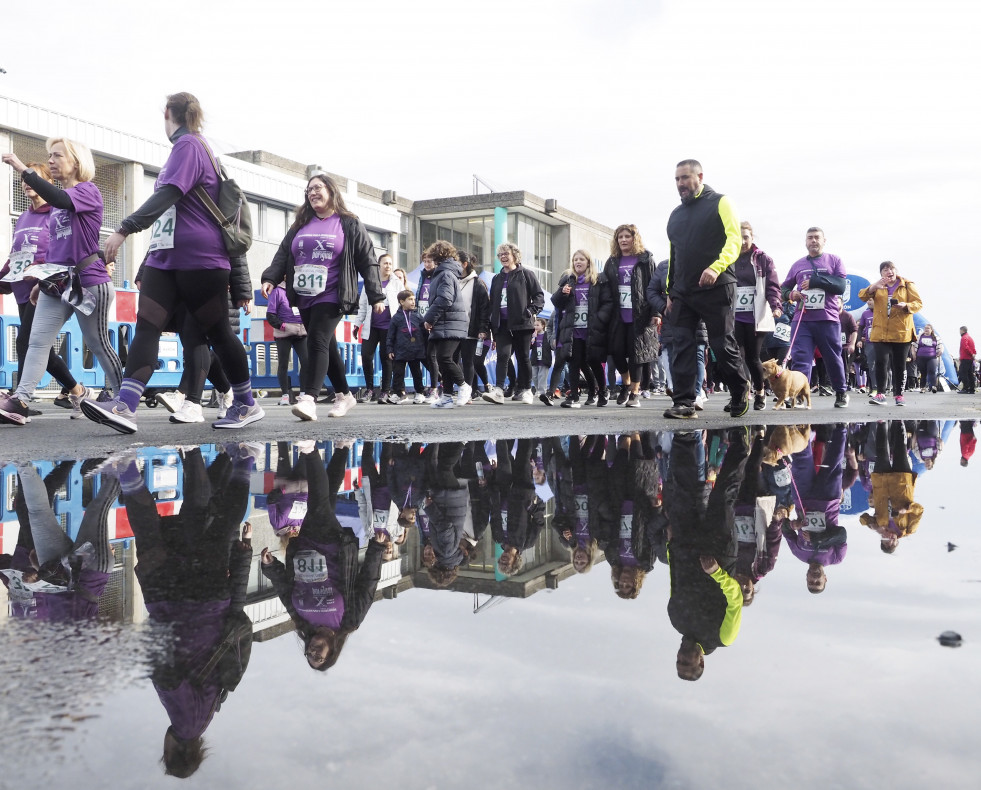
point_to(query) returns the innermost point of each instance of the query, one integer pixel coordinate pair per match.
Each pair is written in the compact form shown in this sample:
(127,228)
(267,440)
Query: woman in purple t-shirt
(29,247)
(73,225)
(321,256)
(188,266)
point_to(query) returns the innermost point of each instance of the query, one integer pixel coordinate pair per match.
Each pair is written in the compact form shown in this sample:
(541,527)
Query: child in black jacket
(406,344)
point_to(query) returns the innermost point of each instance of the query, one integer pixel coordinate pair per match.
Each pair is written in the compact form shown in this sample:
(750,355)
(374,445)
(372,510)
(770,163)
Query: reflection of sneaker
(239,415)
(526,397)
(446,402)
(114,413)
(188,412)
(494,395)
(113,465)
(14,410)
(306,446)
(76,401)
(463,393)
(305,408)
(284,400)
(225,401)
(171,401)
(418,398)
(342,405)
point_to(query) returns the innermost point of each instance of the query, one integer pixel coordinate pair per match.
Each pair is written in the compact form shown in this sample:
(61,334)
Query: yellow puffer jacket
(896,325)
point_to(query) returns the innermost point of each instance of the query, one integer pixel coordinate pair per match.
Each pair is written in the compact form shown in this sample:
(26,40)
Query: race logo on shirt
(63,223)
(323,249)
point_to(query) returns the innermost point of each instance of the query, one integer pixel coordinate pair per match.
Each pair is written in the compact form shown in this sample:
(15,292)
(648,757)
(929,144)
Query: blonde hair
(515,252)
(638,247)
(80,155)
(591,273)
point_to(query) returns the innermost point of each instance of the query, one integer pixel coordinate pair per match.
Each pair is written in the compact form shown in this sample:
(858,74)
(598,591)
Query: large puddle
(499,614)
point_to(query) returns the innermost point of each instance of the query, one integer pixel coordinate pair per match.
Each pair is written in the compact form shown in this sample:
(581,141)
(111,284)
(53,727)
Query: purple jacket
(280,307)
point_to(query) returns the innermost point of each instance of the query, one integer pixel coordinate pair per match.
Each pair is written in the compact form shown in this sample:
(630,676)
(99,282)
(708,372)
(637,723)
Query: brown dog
(785,440)
(787,385)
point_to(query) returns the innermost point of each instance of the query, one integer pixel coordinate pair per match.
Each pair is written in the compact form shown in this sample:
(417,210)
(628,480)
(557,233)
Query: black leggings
(622,351)
(592,370)
(368,346)
(896,354)
(285,346)
(398,375)
(323,355)
(519,344)
(56,365)
(205,294)
(750,343)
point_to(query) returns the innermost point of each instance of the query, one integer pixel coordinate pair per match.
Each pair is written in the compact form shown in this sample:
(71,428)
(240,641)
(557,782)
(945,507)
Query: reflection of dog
(785,440)
(787,384)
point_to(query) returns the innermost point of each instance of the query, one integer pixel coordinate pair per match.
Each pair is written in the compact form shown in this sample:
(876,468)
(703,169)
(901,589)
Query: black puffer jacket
(446,315)
(357,257)
(646,345)
(525,299)
(600,311)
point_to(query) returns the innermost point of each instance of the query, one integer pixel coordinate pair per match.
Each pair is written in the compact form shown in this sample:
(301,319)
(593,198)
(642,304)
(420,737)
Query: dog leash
(793,337)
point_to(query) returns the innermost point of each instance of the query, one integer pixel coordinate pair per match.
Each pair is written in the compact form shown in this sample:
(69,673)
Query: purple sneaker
(240,415)
(112,413)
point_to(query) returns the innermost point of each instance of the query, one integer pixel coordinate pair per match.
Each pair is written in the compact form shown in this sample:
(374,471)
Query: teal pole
(500,232)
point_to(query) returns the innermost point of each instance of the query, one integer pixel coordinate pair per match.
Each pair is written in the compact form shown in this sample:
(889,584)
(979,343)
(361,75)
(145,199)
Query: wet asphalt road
(54,436)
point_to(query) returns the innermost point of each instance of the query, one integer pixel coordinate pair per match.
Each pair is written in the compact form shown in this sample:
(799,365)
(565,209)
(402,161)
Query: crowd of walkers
(703,320)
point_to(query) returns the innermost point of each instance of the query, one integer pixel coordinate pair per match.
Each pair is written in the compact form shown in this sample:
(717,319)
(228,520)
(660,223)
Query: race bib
(539,351)
(927,452)
(781,476)
(626,526)
(814,299)
(379,519)
(844,339)
(745,296)
(310,566)
(19,261)
(162,232)
(579,316)
(310,279)
(422,307)
(504,297)
(625,303)
(298,511)
(782,332)
(581,506)
(44,270)
(746,529)
(924,341)
(814,522)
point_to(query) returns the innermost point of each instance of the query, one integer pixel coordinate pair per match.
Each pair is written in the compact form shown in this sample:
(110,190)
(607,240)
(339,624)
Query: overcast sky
(858,116)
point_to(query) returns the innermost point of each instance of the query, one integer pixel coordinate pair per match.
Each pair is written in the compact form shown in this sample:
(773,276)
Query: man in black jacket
(705,241)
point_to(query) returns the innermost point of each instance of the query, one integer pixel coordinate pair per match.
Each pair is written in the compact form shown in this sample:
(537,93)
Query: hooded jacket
(446,314)
(646,345)
(600,311)
(525,299)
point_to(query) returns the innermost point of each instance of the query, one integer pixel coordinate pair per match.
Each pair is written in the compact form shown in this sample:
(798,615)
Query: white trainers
(225,400)
(418,398)
(284,400)
(494,395)
(700,400)
(463,393)
(446,402)
(171,401)
(342,405)
(188,412)
(432,397)
(305,408)
(526,396)
(76,402)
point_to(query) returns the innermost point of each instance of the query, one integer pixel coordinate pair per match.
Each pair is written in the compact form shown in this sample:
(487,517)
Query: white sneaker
(171,401)
(418,398)
(463,393)
(188,412)
(527,397)
(401,400)
(494,395)
(700,400)
(284,401)
(432,397)
(342,405)
(305,408)
(225,400)
(76,402)
(446,402)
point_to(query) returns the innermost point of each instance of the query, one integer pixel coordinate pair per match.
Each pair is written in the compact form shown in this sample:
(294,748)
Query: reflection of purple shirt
(626,552)
(319,602)
(382,320)
(75,233)
(279,512)
(320,243)
(197,239)
(66,605)
(806,553)
(804,270)
(30,235)
(625,275)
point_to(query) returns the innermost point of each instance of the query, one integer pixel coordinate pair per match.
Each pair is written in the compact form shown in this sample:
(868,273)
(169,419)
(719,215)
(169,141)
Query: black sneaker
(738,408)
(622,395)
(681,412)
(547,399)
(604,398)
(633,400)
(62,401)
(759,402)
(14,410)
(571,403)
(841,400)
(591,400)
(509,392)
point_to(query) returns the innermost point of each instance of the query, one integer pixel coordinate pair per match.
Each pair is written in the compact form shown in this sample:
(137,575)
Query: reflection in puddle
(211,549)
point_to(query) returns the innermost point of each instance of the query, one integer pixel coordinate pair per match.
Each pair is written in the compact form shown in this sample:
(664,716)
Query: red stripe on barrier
(126,307)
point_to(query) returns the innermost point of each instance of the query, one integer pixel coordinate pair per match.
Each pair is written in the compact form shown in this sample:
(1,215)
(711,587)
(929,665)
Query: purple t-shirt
(581,293)
(538,351)
(382,320)
(316,571)
(30,236)
(75,233)
(196,239)
(422,303)
(625,276)
(927,347)
(318,245)
(821,306)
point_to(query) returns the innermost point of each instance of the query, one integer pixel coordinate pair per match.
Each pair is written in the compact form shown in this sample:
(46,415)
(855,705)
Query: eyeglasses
(315,190)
